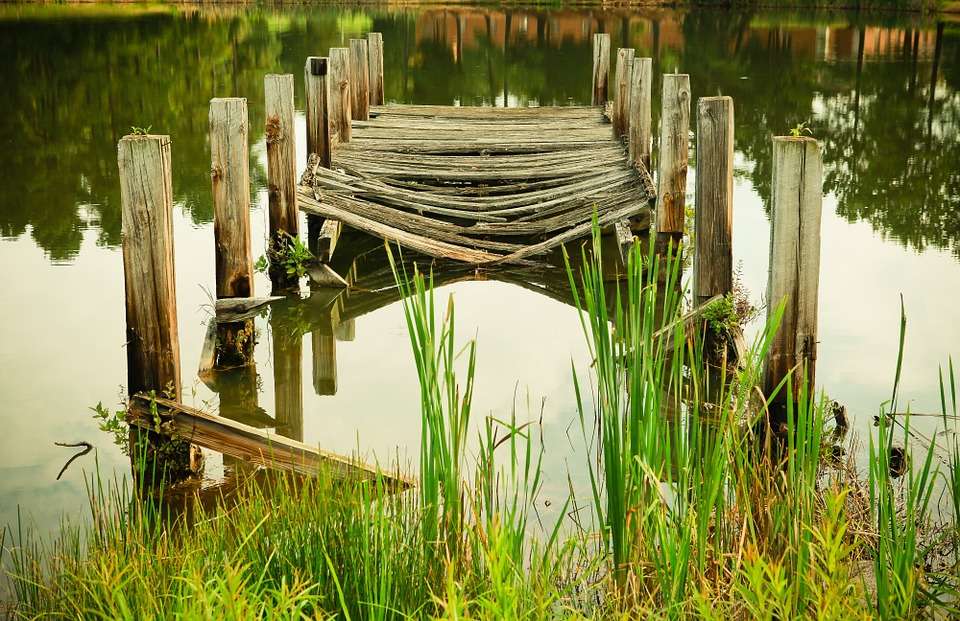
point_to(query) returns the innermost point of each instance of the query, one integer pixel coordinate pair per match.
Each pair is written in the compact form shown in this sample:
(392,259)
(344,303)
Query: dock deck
(480,185)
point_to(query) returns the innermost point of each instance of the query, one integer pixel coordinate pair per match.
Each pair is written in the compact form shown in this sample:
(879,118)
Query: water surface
(881,93)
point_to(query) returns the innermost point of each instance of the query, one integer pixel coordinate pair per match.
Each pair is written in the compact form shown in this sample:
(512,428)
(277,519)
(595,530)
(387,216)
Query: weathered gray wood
(795,207)
(324,276)
(257,446)
(375,50)
(674,151)
(640,111)
(713,256)
(208,353)
(239,309)
(359,79)
(317,108)
(621,96)
(146,196)
(341,113)
(152,345)
(601,68)
(327,240)
(624,235)
(230,177)
(281,154)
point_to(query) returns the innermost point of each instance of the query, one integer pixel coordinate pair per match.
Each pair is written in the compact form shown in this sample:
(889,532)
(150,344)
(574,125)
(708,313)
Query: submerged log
(245,442)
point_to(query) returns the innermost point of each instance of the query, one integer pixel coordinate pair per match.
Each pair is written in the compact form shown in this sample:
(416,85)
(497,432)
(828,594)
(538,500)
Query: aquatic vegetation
(286,253)
(693,510)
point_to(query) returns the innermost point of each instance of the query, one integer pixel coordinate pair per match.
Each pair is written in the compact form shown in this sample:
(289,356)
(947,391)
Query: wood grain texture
(622,84)
(281,155)
(713,257)
(146,195)
(641,132)
(674,151)
(601,68)
(795,208)
(287,380)
(315,74)
(341,114)
(359,79)
(250,444)
(375,51)
(230,177)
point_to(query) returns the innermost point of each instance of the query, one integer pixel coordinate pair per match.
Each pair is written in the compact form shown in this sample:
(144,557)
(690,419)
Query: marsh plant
(686,515)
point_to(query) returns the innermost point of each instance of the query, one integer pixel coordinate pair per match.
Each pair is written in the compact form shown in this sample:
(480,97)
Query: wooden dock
(479,185)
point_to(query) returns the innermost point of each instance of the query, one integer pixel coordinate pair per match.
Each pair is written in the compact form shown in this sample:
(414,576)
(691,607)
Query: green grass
(691,512)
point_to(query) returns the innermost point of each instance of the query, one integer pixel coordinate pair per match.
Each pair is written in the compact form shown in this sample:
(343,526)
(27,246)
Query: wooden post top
(317,65)
(806,139)
(163,138)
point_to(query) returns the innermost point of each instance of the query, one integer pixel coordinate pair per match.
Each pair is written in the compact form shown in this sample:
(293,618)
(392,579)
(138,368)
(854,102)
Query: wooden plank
(230,310)
(621,95)
(601,68)
(641,124)
(713,257)
(359,79)
(795,208)
(254,445)
(230,177)
(340,105)
(674,151)
(375,50)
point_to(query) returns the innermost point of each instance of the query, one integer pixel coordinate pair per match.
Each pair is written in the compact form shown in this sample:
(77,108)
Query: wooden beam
(317,110)
(601,68)
(359,79)
(621,94)
(674,151)
(713,257)
(640,112)
(340,105)
(375,49)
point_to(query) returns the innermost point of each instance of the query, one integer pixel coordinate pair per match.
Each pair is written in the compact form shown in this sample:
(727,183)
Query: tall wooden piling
(230,177)
(152,341)
(601,67)
(713,258)
(621,95)
(795,205)
(318,129)
(375,50)
(359,79)
(281,166)
(317,108)
(341,114)
(640,131)
(674,151)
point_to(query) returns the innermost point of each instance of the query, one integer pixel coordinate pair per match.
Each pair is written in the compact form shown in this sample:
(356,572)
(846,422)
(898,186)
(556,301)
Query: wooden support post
(341,113)
(795,204)
(640,113)
(281,167)
(621,95)
(674,151)
(359,79)
(230,178)
(601,68)
(318,114)
(153,346)
(375,49)
(713,258)
(318,129)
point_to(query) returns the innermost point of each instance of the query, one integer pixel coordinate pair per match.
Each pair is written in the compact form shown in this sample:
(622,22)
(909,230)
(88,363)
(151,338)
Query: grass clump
(690,511)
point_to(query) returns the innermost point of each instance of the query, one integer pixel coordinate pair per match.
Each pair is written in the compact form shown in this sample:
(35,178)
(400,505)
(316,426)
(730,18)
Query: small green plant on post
(286,255)
(800,129)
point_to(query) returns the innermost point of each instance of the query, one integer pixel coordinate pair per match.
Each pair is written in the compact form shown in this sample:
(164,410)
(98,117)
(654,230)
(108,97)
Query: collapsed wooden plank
(230,310)
(249,443)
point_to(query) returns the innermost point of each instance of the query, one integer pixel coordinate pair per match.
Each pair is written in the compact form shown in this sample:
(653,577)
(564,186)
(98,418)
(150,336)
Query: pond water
(882,93)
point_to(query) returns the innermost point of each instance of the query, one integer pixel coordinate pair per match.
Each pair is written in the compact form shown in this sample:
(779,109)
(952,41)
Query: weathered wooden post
(641,123)
(795,205)
(153,346)
(601,67)
(318,129)
(230,178)
(713,257)
(281,169)
(621,94)
(375,49)
(341,113)
(317,108)
(674,151)
(359,79)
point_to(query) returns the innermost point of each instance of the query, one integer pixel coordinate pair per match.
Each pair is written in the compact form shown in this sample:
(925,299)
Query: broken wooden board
(250,444)
(231,310)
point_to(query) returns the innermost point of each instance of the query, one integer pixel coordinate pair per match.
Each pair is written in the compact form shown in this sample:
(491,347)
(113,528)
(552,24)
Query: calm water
(880,93)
